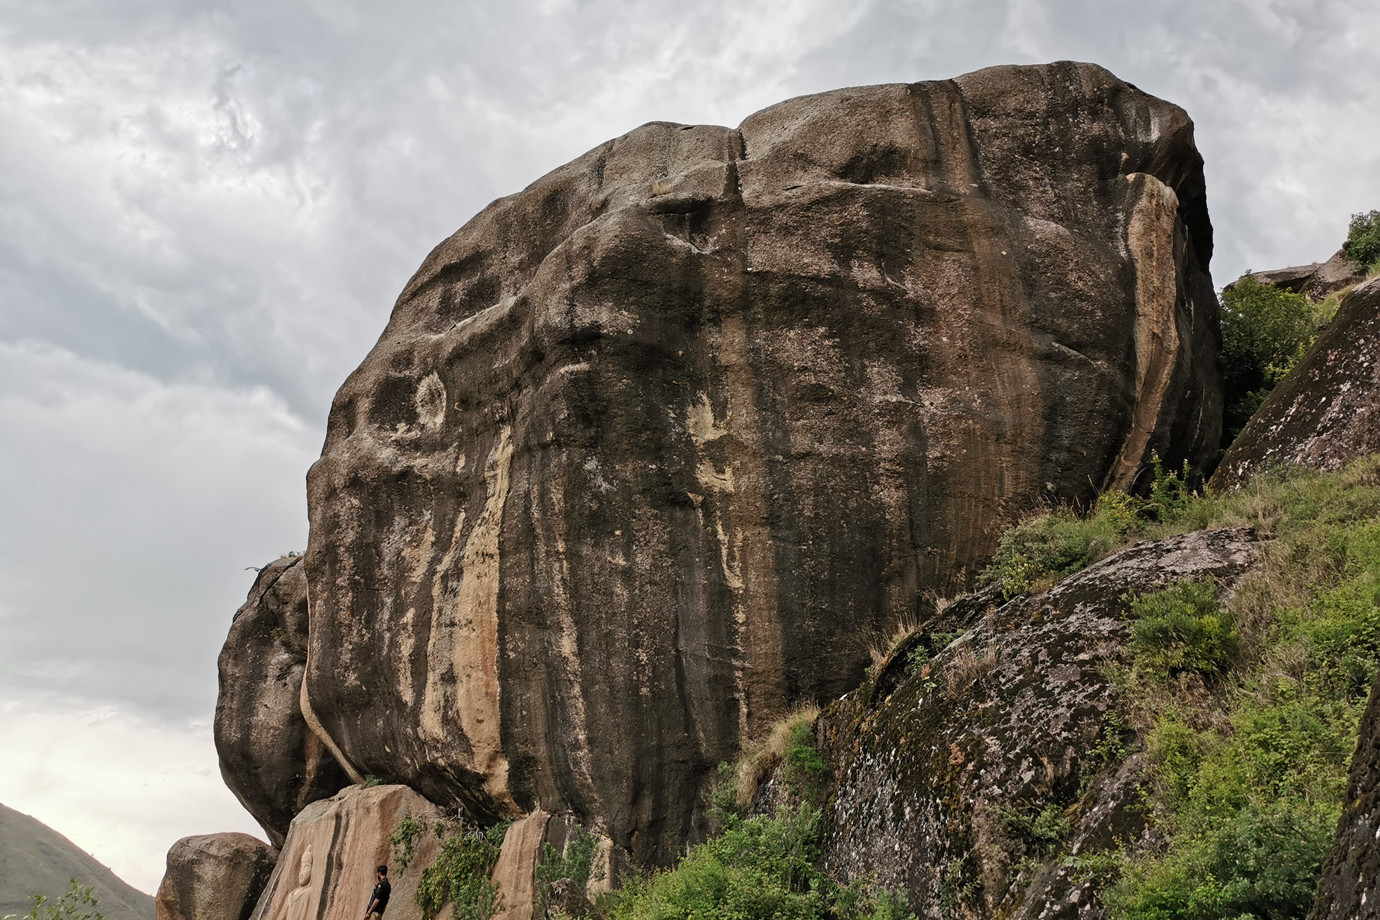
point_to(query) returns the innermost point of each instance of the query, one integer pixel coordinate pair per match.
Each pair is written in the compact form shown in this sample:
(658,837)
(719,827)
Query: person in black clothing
(379,899)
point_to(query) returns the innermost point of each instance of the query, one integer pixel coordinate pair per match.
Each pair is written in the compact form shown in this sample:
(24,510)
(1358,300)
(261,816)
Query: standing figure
(379,899)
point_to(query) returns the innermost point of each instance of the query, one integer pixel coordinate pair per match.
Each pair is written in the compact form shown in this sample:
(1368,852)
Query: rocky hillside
(36,858)
(658,450)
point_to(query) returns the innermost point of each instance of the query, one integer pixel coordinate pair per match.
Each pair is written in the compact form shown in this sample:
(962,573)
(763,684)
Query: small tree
(78,902)
(1362,246)
(1265,330)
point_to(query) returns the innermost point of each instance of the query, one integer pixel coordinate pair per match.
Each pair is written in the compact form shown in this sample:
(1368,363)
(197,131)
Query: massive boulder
(271,760)
(214,877)
(1350,885)
(1327,410)
(650,450)
(945,767)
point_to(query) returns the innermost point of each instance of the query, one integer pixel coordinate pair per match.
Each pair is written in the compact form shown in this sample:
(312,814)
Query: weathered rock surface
(214,877)
(1327,410)
(269,757)
(649,450)
(941,769)
(326,869)
(1350,885)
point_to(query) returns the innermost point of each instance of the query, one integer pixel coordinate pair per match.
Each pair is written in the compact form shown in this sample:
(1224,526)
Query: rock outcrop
(1316,279)
(214,877)
(1327,410)
(269,758)
(649,450)
(1350,885)
(944,768)
(326,868)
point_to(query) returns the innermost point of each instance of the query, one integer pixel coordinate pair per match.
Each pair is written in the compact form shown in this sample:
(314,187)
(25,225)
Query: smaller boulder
(214,877)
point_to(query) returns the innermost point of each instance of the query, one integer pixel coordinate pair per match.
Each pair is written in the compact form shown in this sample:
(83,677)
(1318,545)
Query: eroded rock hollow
(650,450)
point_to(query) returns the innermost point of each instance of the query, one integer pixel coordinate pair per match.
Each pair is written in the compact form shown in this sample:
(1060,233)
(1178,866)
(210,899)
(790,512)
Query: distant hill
(34,857)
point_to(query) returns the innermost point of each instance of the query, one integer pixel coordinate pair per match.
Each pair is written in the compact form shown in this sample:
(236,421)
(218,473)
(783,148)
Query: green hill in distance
(34,857)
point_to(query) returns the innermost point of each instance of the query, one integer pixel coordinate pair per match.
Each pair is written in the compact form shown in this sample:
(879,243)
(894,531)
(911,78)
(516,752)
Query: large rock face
(650,450)
(1327,410)
(269,757)
(941,769)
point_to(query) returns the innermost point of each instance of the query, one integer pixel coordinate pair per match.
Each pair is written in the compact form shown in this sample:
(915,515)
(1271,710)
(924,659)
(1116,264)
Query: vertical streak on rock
(465,626)
(1150,245)
(566,642)
(761,692)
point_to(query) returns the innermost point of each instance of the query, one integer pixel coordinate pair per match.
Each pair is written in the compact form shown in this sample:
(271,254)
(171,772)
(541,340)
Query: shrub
(78,902)
(1182,628)
(460,874)
(1362,246)
(759,867)
(403,840)
(1265,330)
(573,864)
(790,746)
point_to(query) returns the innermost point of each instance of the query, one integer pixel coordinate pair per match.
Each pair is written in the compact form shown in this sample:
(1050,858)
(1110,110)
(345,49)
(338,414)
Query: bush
(1180,629)
(460,874)
(78,902)
(1362,246)
(1265,330)
(759,867)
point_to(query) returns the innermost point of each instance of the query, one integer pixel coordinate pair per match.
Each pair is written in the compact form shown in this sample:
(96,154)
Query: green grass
(759,867)
(1248,704)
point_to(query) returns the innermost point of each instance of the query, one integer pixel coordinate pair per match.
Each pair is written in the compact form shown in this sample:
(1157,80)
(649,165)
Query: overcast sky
(207,210)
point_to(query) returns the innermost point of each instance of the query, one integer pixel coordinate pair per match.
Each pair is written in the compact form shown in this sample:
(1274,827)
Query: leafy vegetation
(460,874)
(1248,703)
(1362,246)
(1265,330)
(763,866)
(403,840)
(1182,628)
(573,864)
(78,902)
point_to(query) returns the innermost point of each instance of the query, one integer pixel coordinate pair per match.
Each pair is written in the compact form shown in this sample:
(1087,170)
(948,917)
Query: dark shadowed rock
(269,757)
(214,877)
(1350,885)
(942,769)
(1327,410)
(650,450)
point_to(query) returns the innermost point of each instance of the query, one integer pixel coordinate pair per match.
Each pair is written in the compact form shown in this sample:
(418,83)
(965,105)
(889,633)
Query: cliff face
(650,450)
